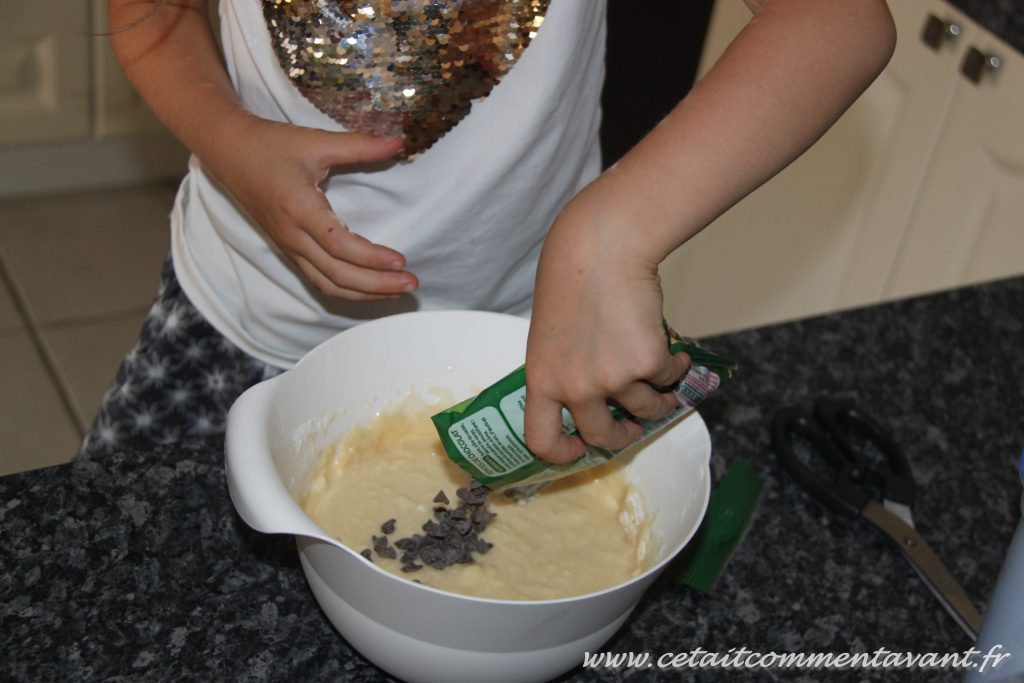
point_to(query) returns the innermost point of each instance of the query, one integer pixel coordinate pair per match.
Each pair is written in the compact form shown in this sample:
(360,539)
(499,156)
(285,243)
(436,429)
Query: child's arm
(596,331)
(272,169)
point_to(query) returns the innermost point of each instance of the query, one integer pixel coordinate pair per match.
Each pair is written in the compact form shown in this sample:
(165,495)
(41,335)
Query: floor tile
(10,319)
(35,428)
(86,357)
(102,248)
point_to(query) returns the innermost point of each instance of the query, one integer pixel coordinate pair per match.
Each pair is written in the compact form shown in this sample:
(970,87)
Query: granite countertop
(136,567)
(1003,18)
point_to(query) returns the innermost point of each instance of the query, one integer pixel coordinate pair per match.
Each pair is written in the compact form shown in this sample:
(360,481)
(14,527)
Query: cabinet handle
(978,64)
(938,32)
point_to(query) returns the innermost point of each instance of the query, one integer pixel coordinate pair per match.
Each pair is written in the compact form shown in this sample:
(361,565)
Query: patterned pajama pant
(177,383)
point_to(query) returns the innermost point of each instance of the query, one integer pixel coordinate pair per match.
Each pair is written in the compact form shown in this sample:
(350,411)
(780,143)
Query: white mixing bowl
(417,633)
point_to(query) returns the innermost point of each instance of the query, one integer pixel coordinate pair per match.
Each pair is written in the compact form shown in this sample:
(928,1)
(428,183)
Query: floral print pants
(178,381)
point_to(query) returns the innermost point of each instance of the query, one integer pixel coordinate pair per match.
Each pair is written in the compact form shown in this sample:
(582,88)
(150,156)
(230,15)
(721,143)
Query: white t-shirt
(470,213)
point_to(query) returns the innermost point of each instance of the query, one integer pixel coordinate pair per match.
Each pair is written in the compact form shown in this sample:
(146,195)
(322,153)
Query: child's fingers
(641,396)
(642,400)
(671,371)
(331,288)
(348,276)
(543,430)
(301,221)
(595,424)
(346,149)
(310,211)
(343,244)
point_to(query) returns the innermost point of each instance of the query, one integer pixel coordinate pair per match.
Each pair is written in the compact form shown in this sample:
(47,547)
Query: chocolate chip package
(484,435)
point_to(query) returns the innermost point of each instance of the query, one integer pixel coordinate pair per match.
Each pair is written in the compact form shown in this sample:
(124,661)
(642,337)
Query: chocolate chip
(367,553)
(450,537)
(470,497)
(431,554)
(482,516)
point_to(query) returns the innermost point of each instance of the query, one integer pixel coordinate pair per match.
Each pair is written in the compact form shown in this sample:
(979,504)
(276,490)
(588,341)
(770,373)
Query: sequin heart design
(411,68)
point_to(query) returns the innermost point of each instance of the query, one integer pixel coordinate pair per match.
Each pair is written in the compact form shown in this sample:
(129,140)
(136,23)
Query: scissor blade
(900,510)
(927,564)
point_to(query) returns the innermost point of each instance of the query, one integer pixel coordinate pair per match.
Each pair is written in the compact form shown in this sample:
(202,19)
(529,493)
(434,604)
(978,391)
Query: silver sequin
(410,68)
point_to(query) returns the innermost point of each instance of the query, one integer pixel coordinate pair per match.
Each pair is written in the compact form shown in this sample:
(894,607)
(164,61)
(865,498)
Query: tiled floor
(77,273)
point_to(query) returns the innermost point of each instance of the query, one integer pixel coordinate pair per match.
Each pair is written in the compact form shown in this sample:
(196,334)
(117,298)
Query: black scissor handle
(894,478)
(842,493)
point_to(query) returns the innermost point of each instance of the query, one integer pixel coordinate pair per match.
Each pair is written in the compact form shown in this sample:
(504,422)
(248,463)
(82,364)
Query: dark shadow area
(653,51)
(274,550)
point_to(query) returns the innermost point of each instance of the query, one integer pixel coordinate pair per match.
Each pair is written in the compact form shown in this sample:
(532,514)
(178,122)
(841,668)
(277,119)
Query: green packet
(484,435)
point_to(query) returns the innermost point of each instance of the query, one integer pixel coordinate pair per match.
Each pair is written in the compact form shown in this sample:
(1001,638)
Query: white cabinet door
(969,223)
(822,234)
(44,71)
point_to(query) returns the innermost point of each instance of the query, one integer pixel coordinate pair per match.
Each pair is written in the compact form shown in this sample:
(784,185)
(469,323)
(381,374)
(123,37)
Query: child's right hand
(274,171)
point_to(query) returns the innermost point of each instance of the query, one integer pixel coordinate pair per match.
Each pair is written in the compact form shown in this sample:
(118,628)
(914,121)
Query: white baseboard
(27,170)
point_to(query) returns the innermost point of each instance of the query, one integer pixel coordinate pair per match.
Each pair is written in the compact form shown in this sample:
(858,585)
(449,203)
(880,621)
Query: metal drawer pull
(938,32)
(978,64)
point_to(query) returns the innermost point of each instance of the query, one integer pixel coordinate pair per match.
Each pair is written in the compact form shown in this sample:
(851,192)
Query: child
(471,130)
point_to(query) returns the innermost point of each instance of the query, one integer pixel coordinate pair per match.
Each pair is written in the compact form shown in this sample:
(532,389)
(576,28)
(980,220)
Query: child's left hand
(596,334)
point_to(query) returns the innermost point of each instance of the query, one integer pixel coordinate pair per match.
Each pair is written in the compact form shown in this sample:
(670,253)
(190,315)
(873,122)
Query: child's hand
(596,334)
(596,331)
(275,169)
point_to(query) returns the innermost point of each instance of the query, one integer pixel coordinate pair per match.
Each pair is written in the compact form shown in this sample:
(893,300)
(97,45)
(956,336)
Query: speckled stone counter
(137,568)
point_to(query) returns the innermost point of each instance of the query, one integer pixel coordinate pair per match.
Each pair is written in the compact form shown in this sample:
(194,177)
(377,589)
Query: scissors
(829,432)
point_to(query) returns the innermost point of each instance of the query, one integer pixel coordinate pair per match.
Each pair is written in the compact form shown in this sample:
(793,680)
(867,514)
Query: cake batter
(581,534)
